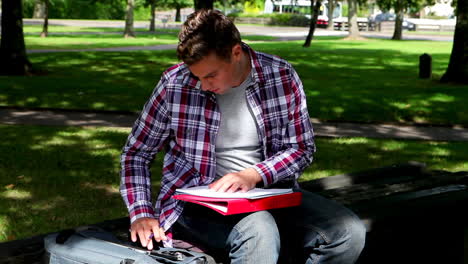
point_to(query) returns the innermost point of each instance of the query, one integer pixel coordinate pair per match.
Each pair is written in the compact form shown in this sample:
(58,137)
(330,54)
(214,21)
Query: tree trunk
(129,31)
(39,9)
(353,27)
(457,70)
(399,10)
(153,17)
(314,11)
(331,8)
(203,4)
(13,59)
(177,14)
(45,26)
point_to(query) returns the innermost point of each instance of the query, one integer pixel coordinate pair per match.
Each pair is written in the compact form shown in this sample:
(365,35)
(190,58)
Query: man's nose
(206,86)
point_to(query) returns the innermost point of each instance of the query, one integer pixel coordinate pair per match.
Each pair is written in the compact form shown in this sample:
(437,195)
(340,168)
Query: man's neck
(245,68)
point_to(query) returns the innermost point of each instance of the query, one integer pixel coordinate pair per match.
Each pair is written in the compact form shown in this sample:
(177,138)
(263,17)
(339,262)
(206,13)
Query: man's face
(217,75)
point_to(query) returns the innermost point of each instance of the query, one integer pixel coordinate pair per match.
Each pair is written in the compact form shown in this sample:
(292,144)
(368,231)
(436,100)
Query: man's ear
(236,54)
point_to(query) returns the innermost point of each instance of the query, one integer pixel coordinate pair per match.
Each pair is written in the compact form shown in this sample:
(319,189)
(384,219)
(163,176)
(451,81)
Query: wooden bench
(412,215)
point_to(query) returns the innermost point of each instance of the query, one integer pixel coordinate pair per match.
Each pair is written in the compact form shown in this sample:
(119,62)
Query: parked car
(391,17)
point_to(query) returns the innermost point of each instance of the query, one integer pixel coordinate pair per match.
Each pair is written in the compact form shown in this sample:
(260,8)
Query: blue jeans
(316,232)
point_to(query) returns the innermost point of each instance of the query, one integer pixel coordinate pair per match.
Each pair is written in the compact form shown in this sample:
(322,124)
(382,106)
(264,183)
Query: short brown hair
(206,31)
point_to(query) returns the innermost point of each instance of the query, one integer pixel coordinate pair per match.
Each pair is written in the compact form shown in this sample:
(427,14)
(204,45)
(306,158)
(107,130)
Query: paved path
(323,129)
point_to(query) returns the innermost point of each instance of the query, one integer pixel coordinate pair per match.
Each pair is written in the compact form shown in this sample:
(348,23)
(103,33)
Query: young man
(233,119)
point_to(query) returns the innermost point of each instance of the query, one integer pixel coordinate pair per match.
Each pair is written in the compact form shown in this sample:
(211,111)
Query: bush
(287,19)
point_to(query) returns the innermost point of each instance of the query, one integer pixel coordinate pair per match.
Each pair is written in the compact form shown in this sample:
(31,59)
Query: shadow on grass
(373,81)
(54,178)
(87,80)
(59,177)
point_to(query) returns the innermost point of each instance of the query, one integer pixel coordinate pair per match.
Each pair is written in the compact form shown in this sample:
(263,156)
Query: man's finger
(143,237)
(156,233)
(163,235)
(225,186)
(133,235)
(150,244)
(233,188)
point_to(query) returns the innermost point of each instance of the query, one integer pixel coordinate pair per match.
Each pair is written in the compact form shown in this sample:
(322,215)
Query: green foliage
(288,19)
(142,13)
(408,5)
(344,9)
(254,6)
(80,9)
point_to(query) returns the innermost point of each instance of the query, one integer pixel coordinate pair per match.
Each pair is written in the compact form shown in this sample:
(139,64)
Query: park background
(56,177)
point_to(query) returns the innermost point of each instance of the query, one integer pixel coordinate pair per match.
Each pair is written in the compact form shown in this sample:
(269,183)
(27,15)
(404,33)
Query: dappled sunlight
(394,145)
(443,98)
(369,81)
(109,189)
(346,155)
(4,227)
(375,81)
(90,40)
(16,194)
(48,204)
(88,80)
(59,177)
(56,174)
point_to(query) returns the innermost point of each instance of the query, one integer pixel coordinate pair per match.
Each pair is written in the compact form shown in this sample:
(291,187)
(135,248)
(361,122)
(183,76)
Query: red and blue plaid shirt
(184,120)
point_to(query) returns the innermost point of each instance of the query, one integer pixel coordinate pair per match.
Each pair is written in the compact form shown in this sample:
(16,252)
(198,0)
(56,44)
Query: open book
(256,199)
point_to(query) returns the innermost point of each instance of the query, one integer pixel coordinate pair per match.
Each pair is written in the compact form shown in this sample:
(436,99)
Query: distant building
(442,8)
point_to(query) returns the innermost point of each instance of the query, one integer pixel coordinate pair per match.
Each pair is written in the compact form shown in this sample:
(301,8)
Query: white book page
(252,194)
(222,208)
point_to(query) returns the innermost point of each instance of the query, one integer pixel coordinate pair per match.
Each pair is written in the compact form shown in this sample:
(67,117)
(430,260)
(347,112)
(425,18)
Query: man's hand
(146,228)
(243,181)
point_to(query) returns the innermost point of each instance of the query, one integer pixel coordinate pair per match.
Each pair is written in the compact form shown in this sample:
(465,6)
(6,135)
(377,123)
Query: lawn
(363,81)
(65,37)
(60,177)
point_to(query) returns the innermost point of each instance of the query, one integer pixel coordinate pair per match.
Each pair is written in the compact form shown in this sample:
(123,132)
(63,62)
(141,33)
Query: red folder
(229,206)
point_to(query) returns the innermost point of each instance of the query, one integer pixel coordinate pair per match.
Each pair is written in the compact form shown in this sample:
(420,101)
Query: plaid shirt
(184,120)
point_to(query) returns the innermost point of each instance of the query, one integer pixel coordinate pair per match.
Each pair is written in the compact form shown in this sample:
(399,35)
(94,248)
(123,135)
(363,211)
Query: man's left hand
(243,181)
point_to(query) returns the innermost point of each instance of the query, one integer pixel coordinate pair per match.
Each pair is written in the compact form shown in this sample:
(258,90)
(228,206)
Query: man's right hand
(144,227)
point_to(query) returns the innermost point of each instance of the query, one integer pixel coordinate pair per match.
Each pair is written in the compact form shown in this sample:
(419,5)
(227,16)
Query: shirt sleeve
(147,137)
(298,141)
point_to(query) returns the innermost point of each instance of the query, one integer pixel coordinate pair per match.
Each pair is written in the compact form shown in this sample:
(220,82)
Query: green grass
(84,41)
(64,37)
(367,81)
(31,29)
(53,178)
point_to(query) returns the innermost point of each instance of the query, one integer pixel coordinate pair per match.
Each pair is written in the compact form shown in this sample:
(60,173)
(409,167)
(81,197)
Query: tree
(353,27)
(129,29)
(152,4)
(314,11)
(178,5)
(203,4)
(457,70)
(45,26)
(13,58)
(400,12)
(331,8)
(39,9)
(401,7)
